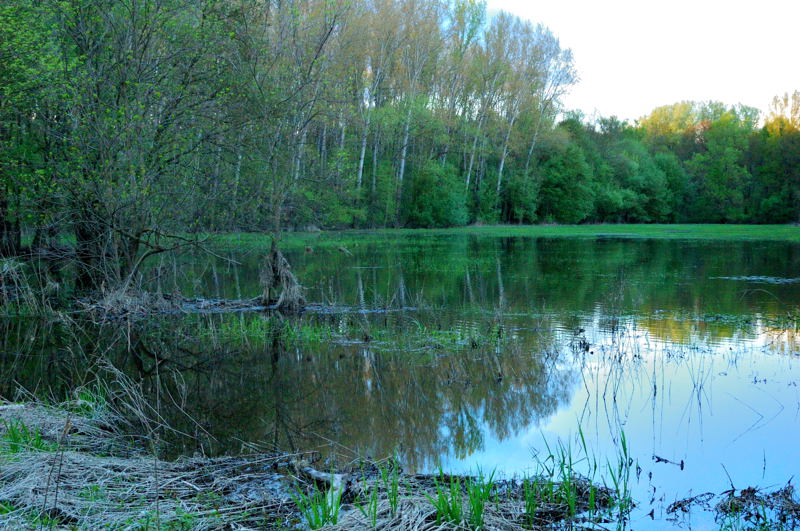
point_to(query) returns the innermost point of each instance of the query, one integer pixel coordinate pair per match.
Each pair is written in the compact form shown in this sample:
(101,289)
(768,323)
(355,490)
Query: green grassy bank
(789,233)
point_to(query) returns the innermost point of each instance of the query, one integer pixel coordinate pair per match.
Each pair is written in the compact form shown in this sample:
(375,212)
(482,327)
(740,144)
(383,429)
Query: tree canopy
(131,125)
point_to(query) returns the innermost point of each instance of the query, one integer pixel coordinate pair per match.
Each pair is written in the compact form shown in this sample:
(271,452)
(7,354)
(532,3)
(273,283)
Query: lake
(471,352)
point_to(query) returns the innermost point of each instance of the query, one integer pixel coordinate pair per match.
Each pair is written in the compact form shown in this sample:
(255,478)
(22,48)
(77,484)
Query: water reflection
(495,345)
(655,278)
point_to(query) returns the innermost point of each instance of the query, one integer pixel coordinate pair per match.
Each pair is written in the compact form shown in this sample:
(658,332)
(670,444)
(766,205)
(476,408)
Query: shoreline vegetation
(335,238)
(281,290)
(320,115)
(80,465)
(96,460)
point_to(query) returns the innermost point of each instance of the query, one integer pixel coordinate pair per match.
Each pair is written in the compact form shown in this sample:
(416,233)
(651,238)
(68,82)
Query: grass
(448,501)
(620,473)
(18,437)
(121,490)
(369,507)
(335,239)
(90,401)
(569,482)
(756,509)
(100,481)
(318,508)
(258,330)
(390,475)
(741,522)
(479,492)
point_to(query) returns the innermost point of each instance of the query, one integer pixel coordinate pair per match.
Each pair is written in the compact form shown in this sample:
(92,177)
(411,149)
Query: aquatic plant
(568,482)
(620,474)
(318,508)
(448,501)
(479,492)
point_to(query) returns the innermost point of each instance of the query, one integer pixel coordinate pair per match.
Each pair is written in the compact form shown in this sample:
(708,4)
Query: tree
(718,170)
(28,61)
(436,199)
(566,193)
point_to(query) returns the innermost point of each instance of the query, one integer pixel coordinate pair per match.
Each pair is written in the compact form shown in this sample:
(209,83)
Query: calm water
(471,352)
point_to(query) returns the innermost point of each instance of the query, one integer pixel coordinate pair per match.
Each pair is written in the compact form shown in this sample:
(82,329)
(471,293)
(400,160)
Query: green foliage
(521,198)
(436,197)
(369,507)
(620,473)
(390,475)
(487,201)
(17,437)
(90,401)
(677,182)
(479,493)
(6,508)
(317,507)
(211,123)
(449,499)
(566,194)
(718,171)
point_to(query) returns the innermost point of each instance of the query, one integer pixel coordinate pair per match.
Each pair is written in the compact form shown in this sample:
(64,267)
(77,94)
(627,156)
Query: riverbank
(343,238)
(73,466)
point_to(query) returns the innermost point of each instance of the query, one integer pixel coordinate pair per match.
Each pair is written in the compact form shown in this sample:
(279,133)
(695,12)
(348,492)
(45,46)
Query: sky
(635,55)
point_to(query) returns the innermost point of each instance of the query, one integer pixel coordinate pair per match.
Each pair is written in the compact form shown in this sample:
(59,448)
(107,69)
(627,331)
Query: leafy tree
(520,198)
(436,199)
(718,171)
(677,182)
(566,192)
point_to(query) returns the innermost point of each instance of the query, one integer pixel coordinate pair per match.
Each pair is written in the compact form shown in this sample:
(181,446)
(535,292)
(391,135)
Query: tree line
(130,125)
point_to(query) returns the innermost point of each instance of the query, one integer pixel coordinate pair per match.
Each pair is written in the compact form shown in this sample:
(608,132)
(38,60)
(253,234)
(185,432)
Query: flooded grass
(349,239)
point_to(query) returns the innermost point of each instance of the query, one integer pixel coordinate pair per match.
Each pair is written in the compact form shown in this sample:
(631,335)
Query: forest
(128,126)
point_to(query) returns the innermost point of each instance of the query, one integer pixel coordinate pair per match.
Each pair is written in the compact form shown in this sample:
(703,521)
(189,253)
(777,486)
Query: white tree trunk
(403,153)
(361,156)
(505,154)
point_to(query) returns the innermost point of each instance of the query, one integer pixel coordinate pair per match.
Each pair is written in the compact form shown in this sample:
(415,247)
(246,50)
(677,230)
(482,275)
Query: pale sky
(635,55)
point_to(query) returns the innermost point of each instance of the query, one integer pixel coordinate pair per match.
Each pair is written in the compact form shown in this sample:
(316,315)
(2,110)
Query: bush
(436,197)
(566,193)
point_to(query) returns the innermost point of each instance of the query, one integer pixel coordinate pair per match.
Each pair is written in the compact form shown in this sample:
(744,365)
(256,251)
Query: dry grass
(88,491)
(80,471)
(98,433)
(111,304)
(505,510)
(778,507)
(69,479)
